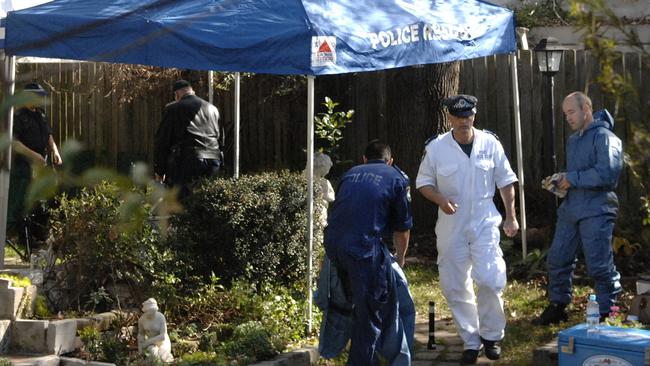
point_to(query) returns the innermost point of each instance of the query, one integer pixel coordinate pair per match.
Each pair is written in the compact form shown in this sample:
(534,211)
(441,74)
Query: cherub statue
(322,166)
(153,339)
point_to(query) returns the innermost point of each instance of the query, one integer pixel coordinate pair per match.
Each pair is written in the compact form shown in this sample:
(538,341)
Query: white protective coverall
(468,240)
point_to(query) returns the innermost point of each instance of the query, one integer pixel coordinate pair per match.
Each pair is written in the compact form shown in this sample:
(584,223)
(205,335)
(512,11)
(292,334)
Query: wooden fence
(394,105)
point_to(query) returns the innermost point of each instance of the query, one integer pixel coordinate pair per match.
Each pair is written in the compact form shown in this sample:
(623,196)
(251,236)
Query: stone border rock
(302,357)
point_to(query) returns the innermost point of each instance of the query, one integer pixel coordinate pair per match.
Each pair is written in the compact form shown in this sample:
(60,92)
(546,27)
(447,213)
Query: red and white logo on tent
(323,51)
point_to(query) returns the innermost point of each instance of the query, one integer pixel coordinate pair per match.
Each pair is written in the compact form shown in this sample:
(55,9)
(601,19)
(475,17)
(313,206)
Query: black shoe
(492,349)
(469,356)
(553,314)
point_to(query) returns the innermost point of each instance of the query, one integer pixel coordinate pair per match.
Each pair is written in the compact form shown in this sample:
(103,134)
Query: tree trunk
(415,114)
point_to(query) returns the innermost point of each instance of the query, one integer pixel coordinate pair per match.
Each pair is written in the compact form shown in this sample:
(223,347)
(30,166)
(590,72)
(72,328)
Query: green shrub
(91,339)
(252,227)
(5,362)
(41,309)
(91,239)
(250,342)
(17,281)
(201,359)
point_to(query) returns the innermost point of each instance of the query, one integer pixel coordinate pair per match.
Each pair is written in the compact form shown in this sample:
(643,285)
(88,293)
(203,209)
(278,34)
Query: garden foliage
(97,250)
(249,228)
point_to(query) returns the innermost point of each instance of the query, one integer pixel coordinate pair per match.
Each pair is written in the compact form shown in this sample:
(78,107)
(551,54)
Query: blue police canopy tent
(306,37)
(303,37)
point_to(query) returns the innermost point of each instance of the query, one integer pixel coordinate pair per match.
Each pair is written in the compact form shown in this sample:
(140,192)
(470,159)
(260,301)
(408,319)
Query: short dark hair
(377,150)
(180,84)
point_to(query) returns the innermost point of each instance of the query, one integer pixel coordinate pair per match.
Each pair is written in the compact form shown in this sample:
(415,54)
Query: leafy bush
(5,362)
(540,13)
(90,238)
(329,126)
(201,359)
(91,339)
(17,281)
(41,310)
(252,227)
(250,342)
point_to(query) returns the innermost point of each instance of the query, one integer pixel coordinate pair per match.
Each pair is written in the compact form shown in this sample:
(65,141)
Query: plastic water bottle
(593,314)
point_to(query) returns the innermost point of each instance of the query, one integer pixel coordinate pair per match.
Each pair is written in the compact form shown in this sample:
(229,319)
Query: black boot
(492,349)
(553,314)
(469,356)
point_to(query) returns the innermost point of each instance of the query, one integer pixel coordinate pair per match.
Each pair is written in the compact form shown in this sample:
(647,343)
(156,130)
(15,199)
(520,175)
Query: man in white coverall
(458,172)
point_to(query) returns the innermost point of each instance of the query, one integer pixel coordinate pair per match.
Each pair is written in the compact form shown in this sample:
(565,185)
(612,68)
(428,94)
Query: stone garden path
(449,346)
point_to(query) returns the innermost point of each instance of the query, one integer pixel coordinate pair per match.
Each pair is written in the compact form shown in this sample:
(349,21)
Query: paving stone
(451,356)
(440,334)
(69,361)
(5,336)
(49,360)
(440,348)
(95,363)
(421,363)
(61,336)
(302,357)
(449,342)
(428,355)
(455,348)
(29,336)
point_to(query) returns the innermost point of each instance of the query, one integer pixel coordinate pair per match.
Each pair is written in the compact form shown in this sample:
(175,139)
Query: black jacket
(189,128)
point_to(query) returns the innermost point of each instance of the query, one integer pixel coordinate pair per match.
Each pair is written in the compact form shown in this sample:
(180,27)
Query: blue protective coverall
(372,199)
(396,341)
(587,214)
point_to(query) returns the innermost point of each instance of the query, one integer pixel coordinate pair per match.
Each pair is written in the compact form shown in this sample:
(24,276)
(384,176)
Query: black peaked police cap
(461,105)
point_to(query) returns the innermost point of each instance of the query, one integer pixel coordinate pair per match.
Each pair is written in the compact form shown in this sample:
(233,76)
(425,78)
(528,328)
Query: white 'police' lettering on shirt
(366,178)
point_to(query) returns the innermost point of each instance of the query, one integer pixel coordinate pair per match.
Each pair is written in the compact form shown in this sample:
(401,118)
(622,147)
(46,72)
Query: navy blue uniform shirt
(372,200)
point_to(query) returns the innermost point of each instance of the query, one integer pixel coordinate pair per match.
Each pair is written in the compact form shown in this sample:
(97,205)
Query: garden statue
(322,166)
(153,339)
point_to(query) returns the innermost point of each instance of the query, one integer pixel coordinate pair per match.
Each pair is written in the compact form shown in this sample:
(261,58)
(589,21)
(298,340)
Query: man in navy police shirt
(372,199)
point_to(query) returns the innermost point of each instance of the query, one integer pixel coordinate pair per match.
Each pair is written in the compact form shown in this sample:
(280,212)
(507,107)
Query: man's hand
(448,207)
(563,183)
(511,226)
(56,158)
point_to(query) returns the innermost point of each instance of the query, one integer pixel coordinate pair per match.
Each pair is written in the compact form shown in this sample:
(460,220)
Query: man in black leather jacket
(187,140)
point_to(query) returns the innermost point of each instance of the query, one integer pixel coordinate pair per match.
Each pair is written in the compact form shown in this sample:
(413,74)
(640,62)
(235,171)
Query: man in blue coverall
(372,199)
(587,214)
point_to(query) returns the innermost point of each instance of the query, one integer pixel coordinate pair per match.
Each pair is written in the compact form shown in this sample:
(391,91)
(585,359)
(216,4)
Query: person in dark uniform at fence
(372,199)
(32,140)
(187,140)
(586,217)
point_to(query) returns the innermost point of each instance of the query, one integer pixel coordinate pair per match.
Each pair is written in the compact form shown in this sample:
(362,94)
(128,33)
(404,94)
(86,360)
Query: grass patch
(11,253)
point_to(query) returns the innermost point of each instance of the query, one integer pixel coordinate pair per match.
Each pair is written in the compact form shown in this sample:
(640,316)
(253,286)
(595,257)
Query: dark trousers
(368,284)
(190,169)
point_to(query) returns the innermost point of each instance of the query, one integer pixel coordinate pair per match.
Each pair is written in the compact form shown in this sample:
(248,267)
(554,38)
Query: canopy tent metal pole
(520,162)
(310,195)
(237,109)
(9,75)
(211,87)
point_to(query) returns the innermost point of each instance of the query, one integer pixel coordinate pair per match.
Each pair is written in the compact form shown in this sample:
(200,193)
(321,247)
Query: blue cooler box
(609,346)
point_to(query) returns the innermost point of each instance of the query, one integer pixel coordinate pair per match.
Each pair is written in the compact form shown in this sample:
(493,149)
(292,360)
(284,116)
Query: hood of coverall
(602,118)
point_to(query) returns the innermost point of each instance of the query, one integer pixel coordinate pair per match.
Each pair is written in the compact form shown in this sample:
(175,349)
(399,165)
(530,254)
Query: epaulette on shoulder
(435,136)
(401,172)
(492,133)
